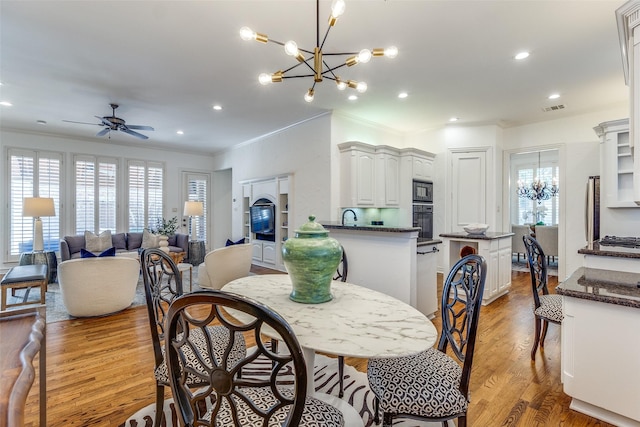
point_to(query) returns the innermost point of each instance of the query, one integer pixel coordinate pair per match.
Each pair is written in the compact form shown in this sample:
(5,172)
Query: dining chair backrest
(537,261)
(231,399)
(519,231)
(162,284)
(343,267)
(460,310)
(547,238)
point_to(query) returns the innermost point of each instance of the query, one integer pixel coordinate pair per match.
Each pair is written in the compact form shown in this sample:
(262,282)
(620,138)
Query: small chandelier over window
(538,189)
(315,61)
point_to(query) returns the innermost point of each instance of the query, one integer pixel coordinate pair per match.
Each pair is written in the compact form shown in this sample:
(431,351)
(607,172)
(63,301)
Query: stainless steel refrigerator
(592,211)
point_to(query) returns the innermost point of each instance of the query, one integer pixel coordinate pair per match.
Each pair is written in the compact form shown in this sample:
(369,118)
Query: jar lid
(312,229)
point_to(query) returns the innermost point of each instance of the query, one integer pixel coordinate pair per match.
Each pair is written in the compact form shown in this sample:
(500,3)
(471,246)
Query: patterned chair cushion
(550,308)
(220,339)
(316,412)
(425,384)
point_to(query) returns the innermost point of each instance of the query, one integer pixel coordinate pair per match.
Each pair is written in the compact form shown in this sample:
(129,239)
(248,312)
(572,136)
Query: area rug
(356,393)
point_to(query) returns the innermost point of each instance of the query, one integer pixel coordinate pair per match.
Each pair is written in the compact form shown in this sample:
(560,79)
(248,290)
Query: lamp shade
(193,209)
(38,207)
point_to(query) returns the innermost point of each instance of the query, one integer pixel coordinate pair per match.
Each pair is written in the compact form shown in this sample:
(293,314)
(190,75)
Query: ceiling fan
(113,123)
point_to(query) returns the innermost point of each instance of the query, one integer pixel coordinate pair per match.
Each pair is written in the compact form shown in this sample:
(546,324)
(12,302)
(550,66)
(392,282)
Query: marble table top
(357,322)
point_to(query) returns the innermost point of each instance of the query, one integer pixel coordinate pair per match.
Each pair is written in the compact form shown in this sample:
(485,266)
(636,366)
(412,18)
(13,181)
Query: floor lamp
(38,207)
(193,209)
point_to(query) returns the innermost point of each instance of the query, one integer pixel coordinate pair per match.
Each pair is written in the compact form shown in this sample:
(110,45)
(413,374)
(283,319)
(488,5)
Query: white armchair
(517,243)
(547,237)
(223,265)
(98,286)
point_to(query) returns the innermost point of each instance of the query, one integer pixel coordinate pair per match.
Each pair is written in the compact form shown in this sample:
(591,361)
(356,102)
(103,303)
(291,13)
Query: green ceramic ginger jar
(311,258)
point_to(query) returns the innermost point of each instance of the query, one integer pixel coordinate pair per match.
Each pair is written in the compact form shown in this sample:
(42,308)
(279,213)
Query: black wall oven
(422,192)
(423,218)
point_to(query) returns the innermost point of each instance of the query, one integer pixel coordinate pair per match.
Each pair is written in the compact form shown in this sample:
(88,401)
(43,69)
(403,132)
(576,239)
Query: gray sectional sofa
(70,246)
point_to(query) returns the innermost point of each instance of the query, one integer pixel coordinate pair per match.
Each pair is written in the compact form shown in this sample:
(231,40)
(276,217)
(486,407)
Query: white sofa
(223,265)
(98,286)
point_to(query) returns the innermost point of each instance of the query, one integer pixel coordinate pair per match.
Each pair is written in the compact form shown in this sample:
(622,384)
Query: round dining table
(356,322)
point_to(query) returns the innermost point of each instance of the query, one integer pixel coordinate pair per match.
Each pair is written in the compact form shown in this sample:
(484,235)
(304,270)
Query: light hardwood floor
(99,370)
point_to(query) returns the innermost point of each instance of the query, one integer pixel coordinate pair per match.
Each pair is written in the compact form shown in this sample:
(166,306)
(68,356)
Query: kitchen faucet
(355,217)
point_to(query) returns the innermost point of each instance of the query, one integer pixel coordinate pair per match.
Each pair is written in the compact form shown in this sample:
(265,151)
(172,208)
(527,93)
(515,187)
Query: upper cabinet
(616,168)
(628,17)
(375,175)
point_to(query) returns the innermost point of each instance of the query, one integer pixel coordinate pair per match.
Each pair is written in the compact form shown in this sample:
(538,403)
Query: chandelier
(538,189)
(313,61)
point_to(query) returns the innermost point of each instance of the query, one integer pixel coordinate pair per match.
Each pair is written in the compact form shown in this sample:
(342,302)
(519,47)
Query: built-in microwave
(422,191)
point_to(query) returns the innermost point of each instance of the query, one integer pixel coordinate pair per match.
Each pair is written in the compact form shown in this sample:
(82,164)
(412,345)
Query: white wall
(175,163)
(303,150)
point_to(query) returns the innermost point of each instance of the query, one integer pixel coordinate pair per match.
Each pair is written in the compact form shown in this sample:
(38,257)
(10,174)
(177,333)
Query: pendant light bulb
(247,34)
(264,78)
(341,85)
(337,8)
(361,87)
(391,52)
(291,48)
(364,56)
(309,95)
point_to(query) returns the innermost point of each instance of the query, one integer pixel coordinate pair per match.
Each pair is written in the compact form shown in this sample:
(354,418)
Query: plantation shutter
(146,189)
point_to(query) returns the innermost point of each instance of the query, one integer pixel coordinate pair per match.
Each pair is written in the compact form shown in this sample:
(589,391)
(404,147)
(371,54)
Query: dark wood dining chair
(162,285)
(229,400)
(547,307)
(432,385)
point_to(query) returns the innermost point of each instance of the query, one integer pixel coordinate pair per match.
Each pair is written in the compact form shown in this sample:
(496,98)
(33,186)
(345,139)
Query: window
(96,192)
(33,174)
(146,189)
(197,185)
(528,167)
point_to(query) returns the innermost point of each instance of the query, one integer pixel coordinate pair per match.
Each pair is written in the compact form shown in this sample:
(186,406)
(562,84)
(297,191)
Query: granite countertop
(428,242)
(612,251)
(613,287)
(329,225)
(489,235)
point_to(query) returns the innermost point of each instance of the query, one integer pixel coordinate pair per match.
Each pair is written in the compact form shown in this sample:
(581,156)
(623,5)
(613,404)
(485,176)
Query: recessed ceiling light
(6,103)
(554,96)
(454,119)
(403,95)
(352,97)
(217,107)
(521,55)
(180,132)
(41,122)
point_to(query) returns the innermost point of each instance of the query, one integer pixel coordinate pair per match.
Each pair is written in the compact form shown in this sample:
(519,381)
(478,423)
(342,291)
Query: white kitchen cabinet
(468,188)
(387,174)
(426,298)
(422,167)
(616,167)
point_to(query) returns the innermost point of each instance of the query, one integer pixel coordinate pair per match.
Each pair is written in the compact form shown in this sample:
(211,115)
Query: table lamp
(38,207)
(193,209)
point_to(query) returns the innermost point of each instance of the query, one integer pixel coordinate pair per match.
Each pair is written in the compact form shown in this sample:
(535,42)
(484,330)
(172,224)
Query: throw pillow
(97,243)
(149,240)
(109,252)
(231,243)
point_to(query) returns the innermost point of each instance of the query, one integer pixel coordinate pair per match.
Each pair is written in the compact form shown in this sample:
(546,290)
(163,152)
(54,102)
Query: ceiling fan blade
(132,133)
(103,132)
(104,121)
(140,127)
(84,123)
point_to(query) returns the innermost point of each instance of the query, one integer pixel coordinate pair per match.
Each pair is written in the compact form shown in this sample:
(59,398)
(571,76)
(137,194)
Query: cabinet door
(468,192)
(391,180)
(269,252)
(257,250)
(365,178)
(493,270)
(422,168)
(504,266)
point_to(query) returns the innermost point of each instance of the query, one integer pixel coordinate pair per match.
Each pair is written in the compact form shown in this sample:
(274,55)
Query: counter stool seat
(24,277)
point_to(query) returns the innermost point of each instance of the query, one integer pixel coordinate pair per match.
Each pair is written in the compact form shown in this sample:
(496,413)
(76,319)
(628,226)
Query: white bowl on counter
(476,228)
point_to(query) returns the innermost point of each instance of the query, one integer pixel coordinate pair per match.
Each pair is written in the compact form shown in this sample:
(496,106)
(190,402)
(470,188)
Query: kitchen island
(382,258)
(601,343)
(495,247)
